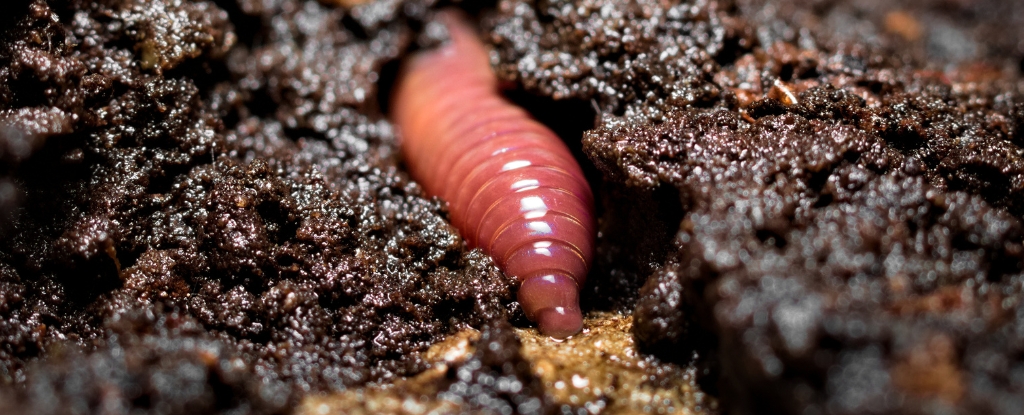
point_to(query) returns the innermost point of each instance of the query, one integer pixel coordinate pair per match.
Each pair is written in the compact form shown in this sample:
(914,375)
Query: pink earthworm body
(513,187)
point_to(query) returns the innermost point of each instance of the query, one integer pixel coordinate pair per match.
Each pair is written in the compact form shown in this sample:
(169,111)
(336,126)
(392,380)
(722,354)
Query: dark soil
(205,211)
(850,238)
(202,207)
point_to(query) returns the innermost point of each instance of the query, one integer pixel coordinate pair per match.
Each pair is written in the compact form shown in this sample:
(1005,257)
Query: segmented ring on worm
(513,187)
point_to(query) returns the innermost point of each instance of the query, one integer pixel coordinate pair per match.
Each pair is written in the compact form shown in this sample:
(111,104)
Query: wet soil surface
(808,207)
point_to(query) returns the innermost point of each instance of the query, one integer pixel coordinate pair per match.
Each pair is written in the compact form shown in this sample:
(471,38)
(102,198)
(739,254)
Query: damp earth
(804,207)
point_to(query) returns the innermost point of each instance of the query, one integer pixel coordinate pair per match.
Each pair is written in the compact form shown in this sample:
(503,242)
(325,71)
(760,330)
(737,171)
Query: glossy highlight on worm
(513,187)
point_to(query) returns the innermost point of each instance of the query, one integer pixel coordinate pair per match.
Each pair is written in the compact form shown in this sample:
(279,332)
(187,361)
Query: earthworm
(513,187)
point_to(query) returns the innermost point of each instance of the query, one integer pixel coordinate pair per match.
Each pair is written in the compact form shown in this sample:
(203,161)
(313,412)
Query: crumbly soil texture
(817,204)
